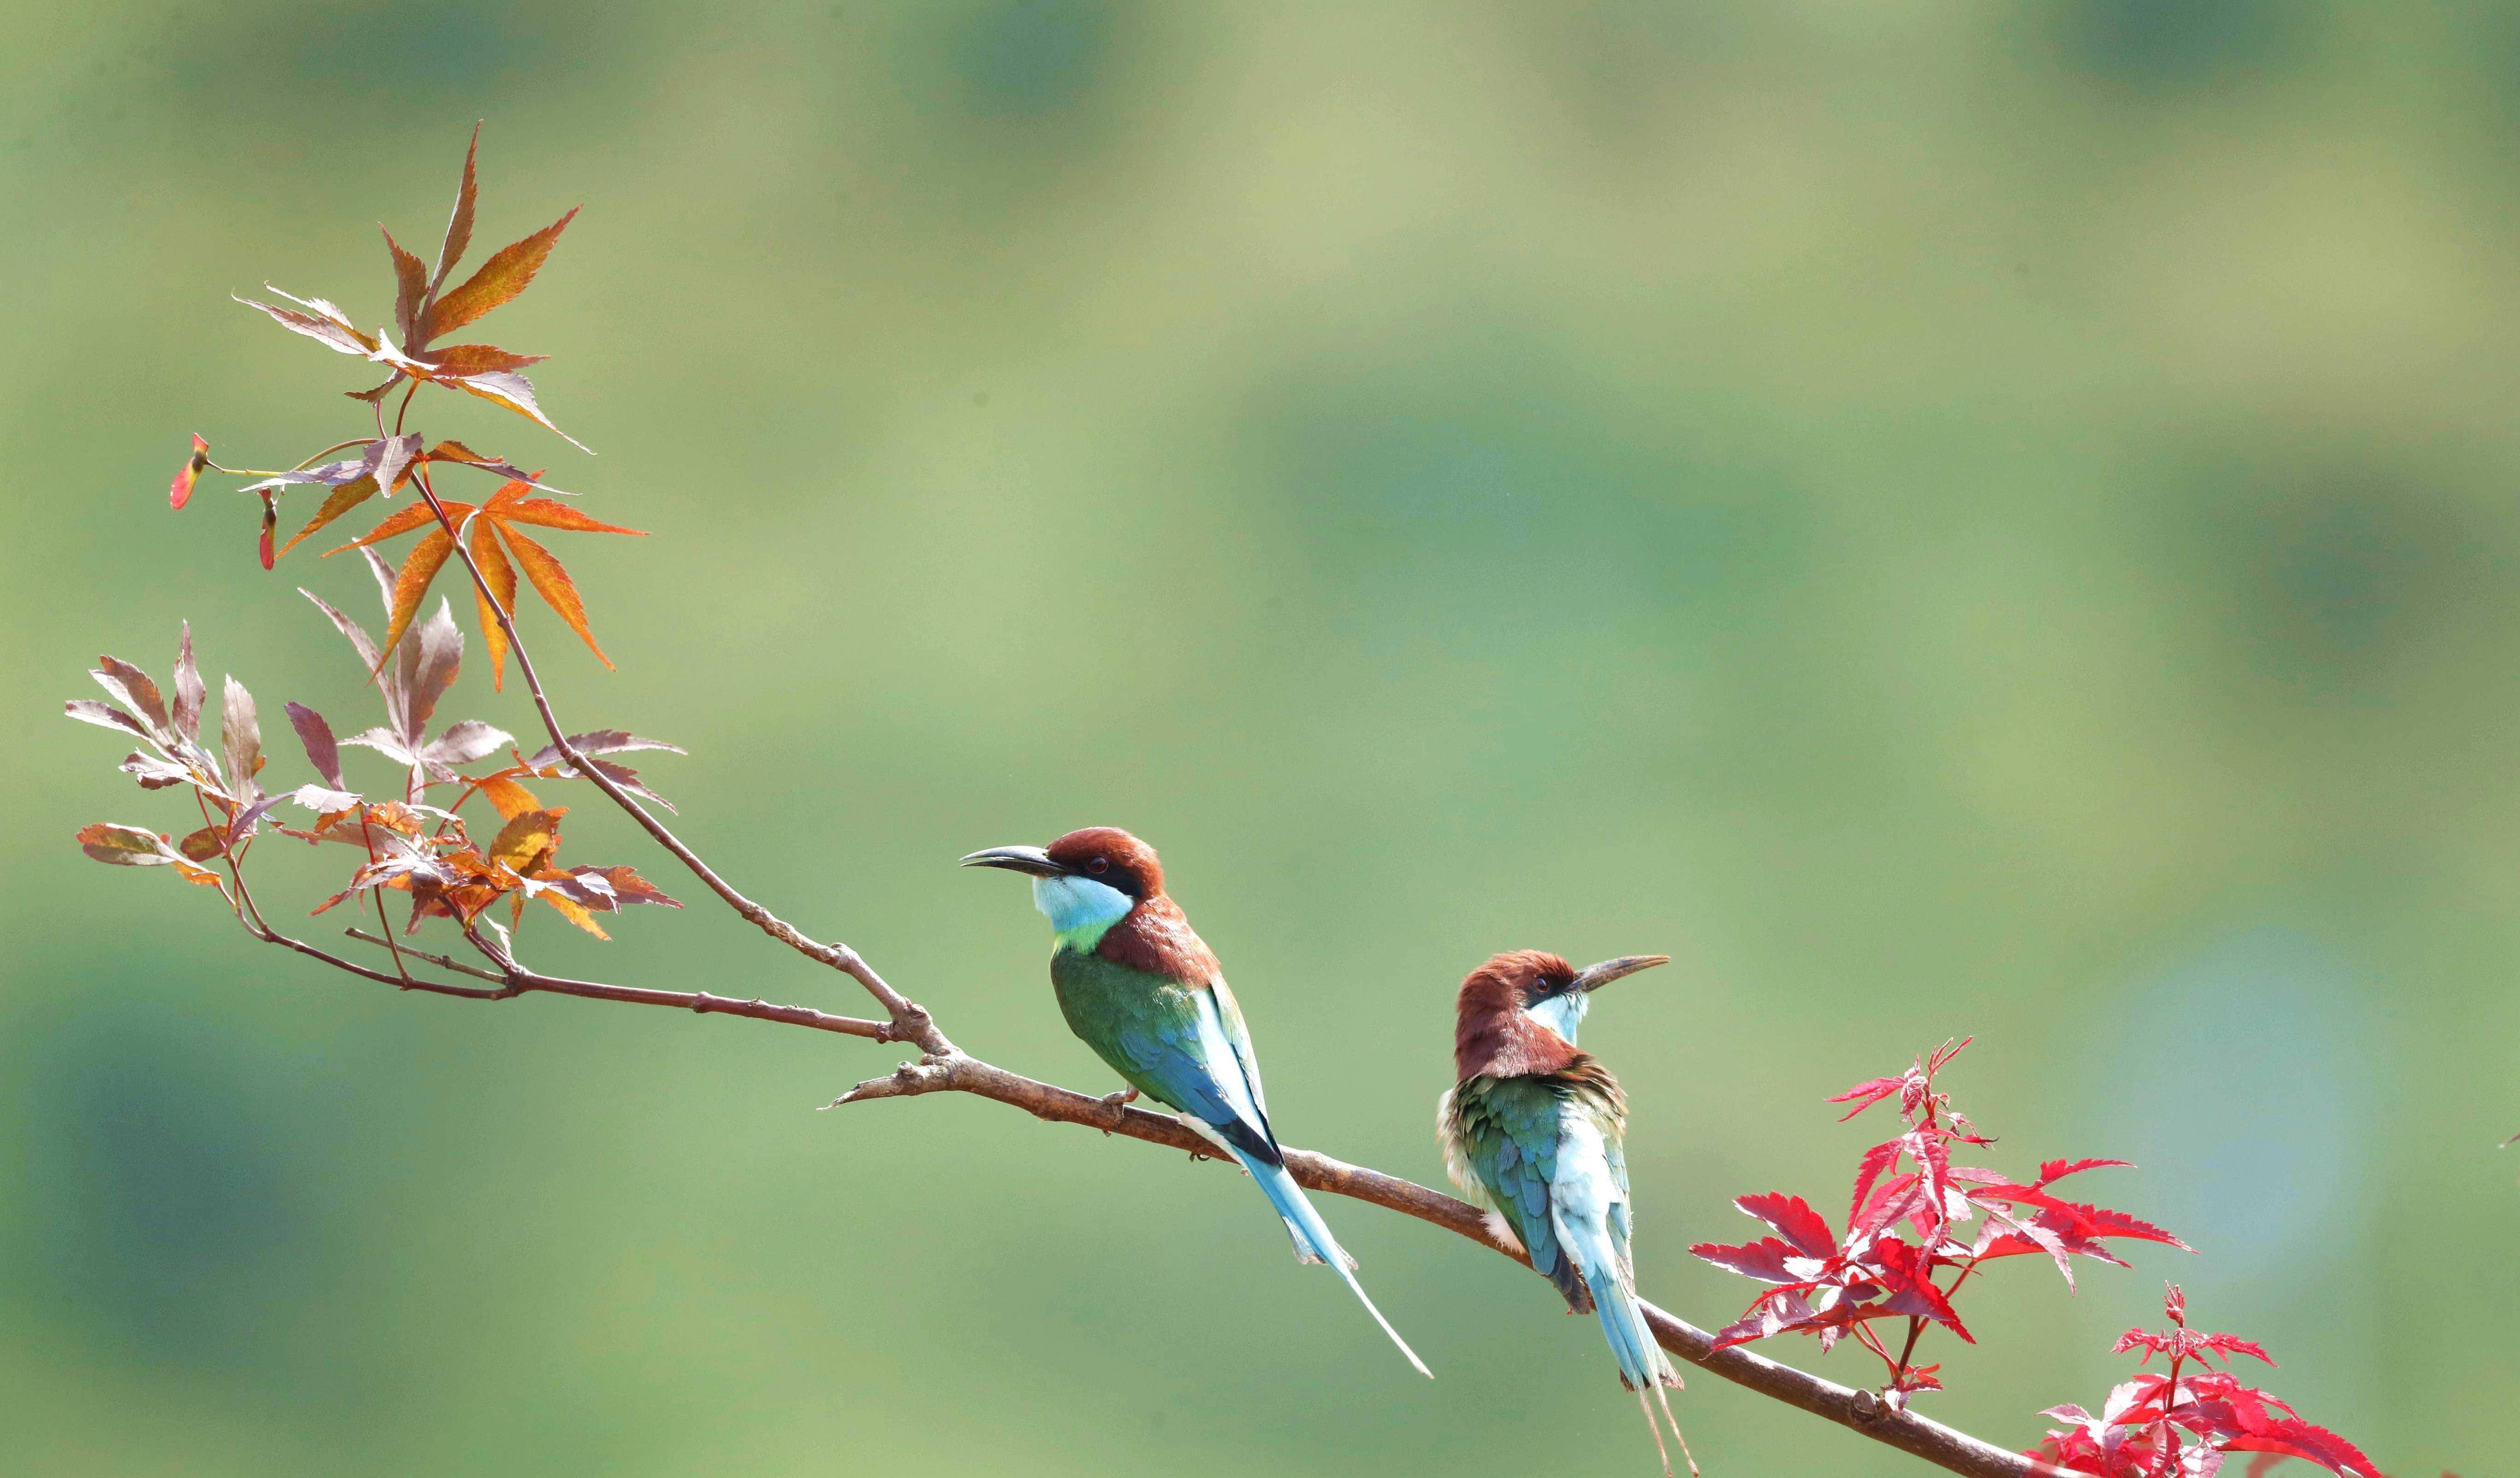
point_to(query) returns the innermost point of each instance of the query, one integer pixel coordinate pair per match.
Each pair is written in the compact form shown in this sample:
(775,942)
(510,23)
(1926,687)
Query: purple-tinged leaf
(322,750)
(425,669)
(464,741)
(243,826)
(323,802)
(393,459)
(189,692)
(456,454)
(242,737)
(601,742)
(514,391)
(359,641)
(331,331)
(628,779)
(385,742)
(626,885)
(202,845)
(106,716)
(342,474)
(121,680)
(153,772)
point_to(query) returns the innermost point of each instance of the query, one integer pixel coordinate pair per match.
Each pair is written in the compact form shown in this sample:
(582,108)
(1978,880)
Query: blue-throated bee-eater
(1534,1127)
(1138,987)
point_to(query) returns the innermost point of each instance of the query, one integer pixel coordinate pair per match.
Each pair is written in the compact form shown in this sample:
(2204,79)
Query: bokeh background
(1978,518)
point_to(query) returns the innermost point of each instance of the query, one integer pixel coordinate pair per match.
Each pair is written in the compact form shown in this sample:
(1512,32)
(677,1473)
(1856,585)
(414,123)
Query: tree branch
(945,1068)
(955,1071)
(1858,1410)
(911,1021)
(517,980)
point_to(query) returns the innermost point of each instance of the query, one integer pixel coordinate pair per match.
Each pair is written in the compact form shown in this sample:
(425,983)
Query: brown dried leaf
(205,844)
(506,274)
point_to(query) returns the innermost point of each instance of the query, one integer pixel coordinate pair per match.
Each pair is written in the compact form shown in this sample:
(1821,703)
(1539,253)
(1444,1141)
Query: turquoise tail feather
(1313,1242)
(1642,1361)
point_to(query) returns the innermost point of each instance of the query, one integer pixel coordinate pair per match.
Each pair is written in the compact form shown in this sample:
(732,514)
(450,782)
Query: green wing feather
(1505,1132)
(1146,1027)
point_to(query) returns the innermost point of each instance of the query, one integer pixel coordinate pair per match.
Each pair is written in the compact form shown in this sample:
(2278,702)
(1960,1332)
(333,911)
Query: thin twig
(519,981)
(1859,1410)
(946,1069)
(910,1020)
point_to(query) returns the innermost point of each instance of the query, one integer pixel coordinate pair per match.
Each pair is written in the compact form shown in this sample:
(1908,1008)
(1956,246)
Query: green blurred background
(1980,519)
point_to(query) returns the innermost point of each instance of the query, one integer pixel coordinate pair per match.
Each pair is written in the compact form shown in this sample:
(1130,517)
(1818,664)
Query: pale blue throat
(1080,910)
(1563,1013)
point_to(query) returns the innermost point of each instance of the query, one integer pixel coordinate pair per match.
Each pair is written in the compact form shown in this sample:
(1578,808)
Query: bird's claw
(1118,1102)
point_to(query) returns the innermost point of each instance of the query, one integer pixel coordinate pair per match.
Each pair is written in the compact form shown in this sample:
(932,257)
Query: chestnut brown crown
(1112,857)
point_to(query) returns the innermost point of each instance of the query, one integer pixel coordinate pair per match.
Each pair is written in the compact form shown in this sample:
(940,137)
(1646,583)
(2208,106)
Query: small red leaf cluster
(2182,1420)
(1908,1245)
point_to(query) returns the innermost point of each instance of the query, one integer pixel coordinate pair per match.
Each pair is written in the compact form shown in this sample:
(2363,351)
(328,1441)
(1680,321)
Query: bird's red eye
(1098,865)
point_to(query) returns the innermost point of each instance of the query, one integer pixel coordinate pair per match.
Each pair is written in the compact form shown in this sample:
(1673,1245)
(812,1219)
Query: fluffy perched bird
(1534,1129)
(1138,987)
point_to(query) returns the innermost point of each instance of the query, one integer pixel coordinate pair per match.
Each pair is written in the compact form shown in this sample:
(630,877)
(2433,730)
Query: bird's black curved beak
(1030,860)
(1599,976)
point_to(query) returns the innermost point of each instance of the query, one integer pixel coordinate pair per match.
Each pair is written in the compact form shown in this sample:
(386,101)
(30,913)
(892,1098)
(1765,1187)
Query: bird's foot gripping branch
(456,837)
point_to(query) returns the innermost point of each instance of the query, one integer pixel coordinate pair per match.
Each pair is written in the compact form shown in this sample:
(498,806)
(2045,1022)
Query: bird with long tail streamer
(1534,1128)
(1138,986)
